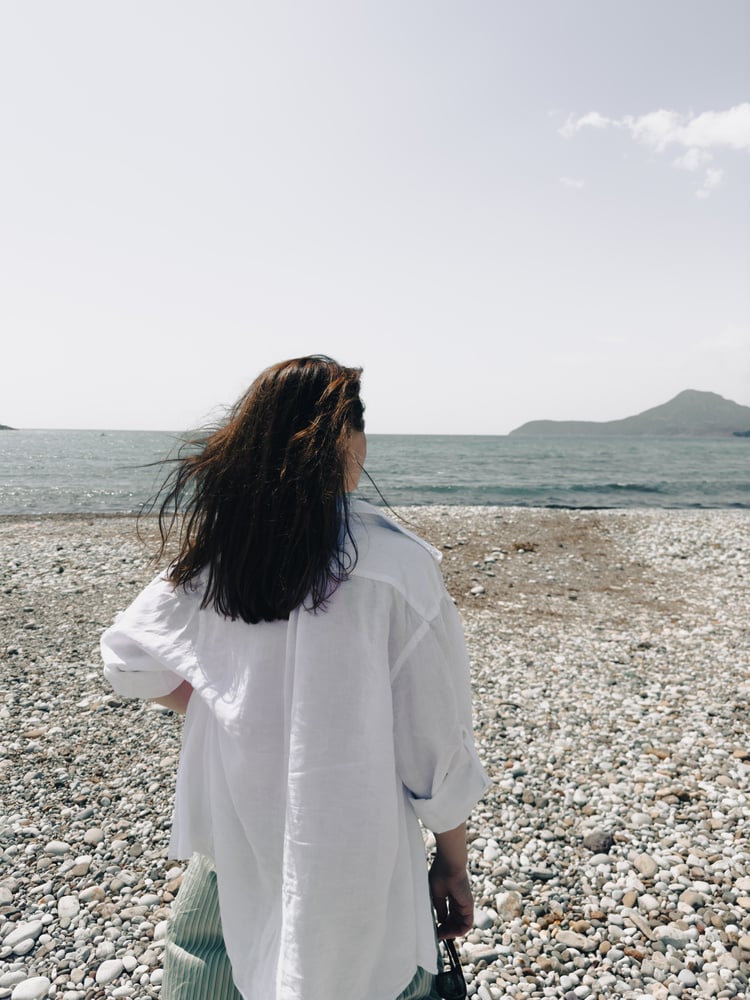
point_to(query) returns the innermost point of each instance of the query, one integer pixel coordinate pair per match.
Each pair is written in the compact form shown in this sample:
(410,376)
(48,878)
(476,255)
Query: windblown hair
(265,513)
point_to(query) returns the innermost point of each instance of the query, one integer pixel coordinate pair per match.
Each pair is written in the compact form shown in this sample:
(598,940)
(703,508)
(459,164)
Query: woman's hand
(449,885)
(178,699)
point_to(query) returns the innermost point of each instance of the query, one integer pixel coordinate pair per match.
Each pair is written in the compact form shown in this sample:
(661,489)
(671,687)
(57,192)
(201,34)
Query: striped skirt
(196,966)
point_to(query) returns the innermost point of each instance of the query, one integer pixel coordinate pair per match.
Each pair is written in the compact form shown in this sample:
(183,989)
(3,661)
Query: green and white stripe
(196,966)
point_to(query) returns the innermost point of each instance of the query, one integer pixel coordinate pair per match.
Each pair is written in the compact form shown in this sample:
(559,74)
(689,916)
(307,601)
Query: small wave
(614,487)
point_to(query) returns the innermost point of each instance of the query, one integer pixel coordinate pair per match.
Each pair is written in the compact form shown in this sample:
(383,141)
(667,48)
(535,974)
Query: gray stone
(599,841)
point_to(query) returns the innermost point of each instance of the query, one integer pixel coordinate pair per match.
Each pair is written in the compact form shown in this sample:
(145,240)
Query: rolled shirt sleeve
(435,754)
(149,650)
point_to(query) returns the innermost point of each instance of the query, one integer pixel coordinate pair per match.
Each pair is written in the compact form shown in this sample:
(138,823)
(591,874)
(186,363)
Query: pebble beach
(610,657)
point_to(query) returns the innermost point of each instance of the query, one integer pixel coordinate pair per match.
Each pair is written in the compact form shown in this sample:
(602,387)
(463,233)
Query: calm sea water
(44,472)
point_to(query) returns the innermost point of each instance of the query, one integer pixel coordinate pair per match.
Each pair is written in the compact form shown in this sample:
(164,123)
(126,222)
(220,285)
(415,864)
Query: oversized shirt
(311,750)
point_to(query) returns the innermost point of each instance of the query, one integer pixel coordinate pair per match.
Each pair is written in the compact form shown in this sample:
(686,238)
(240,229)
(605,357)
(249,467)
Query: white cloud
(591,120)
(700,135)
(719,128)
(712,180)
(656,129)
(573,182)
(693,160)
(659,129)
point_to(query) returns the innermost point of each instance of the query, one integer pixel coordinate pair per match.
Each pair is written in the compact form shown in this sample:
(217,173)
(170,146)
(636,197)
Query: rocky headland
(690,413)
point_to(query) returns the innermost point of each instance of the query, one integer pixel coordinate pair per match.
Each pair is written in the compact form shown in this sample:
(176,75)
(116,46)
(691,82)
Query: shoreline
(530,508)
(610,654)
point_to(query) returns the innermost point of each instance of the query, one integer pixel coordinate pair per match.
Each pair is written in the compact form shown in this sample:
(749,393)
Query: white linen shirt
(311,749)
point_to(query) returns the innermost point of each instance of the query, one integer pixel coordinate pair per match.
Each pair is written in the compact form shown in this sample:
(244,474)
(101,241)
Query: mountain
(4,427)
(689,414)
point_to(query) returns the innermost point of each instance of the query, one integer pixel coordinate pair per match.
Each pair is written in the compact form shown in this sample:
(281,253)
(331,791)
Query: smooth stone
(640,922)
(160,930)
(108,971)
(67,908)
(483,920)
(639,819)
(12,978)
(57,848)
(24,947)
(728,962)
(6,896)
(648,902)
(32,989)
(692,898)
(93,836)
(646,865)
(81,867)
(670,934)
(28,931)
(94,892)
(509,905)
(569,939)
(687,978)
(149,899)
(105,950)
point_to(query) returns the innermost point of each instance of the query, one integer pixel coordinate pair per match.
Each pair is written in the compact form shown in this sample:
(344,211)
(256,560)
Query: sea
(120,472)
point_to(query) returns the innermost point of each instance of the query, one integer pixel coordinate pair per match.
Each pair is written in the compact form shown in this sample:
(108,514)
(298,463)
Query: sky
(503,210)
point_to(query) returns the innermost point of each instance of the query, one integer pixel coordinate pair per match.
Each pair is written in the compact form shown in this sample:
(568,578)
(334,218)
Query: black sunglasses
(450,983)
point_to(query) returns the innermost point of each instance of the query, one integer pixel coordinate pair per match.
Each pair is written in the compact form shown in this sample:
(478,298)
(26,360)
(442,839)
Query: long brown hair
(263,498)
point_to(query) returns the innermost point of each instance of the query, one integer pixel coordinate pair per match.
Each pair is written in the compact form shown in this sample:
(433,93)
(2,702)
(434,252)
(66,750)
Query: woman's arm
(178,699)
(449,884)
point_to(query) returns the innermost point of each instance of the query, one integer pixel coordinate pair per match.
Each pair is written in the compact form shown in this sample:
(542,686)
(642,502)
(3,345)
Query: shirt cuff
(457,795)
(142,683)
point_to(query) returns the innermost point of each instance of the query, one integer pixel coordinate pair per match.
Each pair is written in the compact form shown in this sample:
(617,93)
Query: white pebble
(57,848)
(160,930)
(32,989)
(67,908)
(108,971)
(26,931)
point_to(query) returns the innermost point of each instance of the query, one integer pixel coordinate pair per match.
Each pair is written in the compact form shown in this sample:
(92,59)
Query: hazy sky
(501,210)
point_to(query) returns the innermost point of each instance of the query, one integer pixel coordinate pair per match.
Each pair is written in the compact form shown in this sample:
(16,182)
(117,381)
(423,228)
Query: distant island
(4,427)
(690,414)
